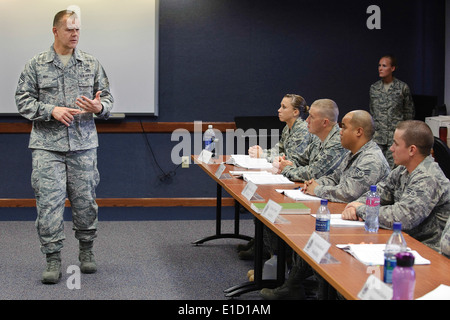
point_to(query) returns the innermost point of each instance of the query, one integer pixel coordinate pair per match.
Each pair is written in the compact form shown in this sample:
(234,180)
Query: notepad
(440,293)
(287,208)
(337,221)
(297,195)
(373,254)
(267,178)
(245,161)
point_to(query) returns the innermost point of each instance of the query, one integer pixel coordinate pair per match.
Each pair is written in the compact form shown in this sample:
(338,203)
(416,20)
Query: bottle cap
(405,259)
(397,226)
(373,188)
(323,202)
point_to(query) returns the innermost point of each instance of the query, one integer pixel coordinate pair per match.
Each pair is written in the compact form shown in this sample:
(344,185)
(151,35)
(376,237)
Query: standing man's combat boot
(52,272)
(86,257)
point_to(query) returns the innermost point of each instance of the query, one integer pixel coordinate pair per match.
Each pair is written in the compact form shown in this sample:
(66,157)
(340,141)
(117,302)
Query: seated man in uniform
(322,156)
(363,166)
(416,193)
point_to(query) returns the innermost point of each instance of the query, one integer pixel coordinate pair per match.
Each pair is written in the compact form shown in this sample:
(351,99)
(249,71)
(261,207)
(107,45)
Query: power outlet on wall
(185,162)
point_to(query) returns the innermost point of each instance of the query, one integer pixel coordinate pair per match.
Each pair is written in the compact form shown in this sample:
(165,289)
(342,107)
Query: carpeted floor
(136,260)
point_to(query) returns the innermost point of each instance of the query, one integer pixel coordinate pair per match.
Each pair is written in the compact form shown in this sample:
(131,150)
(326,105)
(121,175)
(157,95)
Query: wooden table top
(348,275)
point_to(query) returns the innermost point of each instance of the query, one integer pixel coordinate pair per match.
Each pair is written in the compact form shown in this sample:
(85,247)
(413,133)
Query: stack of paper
(266,178)
(373,254)
(297,195)
(337,221)
(287,208)
(440,293)
(245,161)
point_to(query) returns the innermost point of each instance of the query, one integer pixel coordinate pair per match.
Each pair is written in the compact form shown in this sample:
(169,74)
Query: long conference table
(347,275)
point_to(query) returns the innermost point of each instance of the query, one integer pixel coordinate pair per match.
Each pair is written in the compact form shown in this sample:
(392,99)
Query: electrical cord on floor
(164,176)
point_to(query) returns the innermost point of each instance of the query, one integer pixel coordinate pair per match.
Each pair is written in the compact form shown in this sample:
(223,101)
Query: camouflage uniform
(64,158)
(388,108)
(293,140)
(318,159)
(420,200)
(354,176)
(445,240)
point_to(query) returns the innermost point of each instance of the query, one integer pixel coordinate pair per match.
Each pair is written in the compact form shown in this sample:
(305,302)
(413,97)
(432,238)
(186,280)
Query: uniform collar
(379,85)
(51,55)
(335,130)
(297,122)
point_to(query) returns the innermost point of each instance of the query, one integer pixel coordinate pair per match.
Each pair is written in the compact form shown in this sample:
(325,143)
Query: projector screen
(122,35)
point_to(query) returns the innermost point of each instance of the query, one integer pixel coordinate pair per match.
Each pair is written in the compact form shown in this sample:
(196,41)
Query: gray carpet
(137,260)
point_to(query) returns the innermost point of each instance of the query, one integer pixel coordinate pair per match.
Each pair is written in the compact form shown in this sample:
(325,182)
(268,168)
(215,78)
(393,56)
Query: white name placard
(271,211)
(205,156)
(220,170)
(249,190)
(375,289)
(317,247)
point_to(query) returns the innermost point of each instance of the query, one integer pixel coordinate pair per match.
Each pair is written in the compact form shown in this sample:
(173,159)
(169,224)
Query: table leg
(219,234)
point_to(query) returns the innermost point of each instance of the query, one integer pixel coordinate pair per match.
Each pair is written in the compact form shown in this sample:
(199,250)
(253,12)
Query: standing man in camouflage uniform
(416,193)
(363,166)
(323,155)
(390,103)
(295,136)
(60,90)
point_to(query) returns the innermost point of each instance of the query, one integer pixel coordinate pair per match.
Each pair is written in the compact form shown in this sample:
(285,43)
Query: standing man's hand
(65,115)
(88,105)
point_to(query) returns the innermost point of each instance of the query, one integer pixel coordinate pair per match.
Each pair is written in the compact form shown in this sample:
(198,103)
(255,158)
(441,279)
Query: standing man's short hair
(58,17)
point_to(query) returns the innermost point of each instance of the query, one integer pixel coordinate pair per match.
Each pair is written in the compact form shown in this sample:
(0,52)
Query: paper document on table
(245,161)
(297,195)
(267,178)
(239,174)
(373,254)
(337,221)
(440,293)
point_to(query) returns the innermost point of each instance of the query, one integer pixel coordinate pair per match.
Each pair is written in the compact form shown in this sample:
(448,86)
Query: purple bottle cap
(405,259)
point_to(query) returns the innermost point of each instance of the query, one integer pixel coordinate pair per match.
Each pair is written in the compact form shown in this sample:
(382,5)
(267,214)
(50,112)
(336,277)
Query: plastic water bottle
(208,138)
(395,244)
(372,210)
(323,220)
(404,277)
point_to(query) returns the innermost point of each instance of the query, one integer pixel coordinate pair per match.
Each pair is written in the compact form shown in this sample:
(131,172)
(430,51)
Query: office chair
(442,155)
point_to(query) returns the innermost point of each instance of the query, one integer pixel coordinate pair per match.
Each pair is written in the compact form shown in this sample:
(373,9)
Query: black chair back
(442,155)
